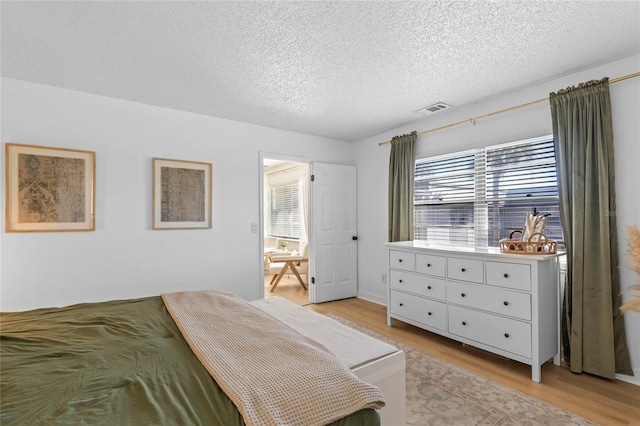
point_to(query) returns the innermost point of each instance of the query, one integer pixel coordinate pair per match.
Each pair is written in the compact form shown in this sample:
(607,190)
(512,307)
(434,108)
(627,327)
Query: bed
(127,362)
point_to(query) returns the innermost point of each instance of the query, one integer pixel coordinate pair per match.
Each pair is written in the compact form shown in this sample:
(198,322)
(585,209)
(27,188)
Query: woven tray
(542,246)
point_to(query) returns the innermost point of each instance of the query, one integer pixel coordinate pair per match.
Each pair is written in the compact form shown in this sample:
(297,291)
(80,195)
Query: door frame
(262,155)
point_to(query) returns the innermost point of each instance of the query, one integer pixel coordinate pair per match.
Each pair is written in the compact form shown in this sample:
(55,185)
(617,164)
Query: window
(284,214)
(444,197)
(479,197)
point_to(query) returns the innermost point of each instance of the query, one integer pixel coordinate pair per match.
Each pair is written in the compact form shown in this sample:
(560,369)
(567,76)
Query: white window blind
(521,178)
(284,214)
(444,197)
(480,197)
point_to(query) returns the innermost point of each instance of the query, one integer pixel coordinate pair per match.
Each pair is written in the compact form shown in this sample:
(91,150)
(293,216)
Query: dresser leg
(536,373)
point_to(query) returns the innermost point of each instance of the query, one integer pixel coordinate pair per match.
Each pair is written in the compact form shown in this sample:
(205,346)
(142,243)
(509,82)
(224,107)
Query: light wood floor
(288,288)
(602,401)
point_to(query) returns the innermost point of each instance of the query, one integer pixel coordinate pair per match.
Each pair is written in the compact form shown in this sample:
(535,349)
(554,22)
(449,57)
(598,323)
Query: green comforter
(112,363)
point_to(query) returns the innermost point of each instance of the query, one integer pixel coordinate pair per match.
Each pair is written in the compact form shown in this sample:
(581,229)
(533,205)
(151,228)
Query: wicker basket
(542,246)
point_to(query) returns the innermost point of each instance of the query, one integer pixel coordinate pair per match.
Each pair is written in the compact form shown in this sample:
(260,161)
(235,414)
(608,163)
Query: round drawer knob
(399,281)
(464,323)
(506,275)
(506,303)
(428,265)
(399,260)
(401,304)
(429,313)
(463,295)
(428,287)
(463,270)
(506,335)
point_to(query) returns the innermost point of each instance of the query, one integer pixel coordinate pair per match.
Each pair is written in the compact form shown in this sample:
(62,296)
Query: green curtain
(594,338)
(402,163)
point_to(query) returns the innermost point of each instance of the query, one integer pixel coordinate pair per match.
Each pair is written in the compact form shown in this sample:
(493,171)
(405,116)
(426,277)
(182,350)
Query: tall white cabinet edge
(506,304)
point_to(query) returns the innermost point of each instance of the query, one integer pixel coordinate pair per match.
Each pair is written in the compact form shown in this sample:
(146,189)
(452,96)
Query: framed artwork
(49,189)
(181,194)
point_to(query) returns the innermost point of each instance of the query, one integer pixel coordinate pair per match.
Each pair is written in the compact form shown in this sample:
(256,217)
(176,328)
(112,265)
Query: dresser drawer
(465,270)
(425,311)
(402,260)
(494,300)
(509,275)
(432,265)
(420,284)
(503,333)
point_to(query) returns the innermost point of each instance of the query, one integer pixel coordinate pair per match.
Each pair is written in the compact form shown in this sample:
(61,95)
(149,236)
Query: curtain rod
(471,120)
(282,171)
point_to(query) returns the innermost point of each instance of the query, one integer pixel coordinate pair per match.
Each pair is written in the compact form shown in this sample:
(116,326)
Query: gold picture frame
(49,189)
(181,194)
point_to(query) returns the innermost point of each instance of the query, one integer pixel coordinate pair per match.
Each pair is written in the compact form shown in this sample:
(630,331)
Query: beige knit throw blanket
(273,374)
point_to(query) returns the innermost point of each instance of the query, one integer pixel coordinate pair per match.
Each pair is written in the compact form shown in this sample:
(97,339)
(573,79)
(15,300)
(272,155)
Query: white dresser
(503,303)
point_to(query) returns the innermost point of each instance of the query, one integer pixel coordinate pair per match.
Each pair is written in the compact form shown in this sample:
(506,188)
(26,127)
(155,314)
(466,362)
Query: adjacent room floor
(288,288)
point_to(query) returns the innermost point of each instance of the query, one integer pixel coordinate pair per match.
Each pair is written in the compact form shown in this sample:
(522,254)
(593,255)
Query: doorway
(284,225)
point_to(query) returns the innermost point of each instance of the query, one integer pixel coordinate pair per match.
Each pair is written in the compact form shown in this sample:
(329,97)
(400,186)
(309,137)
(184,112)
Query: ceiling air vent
(433,108)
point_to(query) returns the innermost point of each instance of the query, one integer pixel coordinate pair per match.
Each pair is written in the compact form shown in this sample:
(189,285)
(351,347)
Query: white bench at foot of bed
(388,374)
(372,360)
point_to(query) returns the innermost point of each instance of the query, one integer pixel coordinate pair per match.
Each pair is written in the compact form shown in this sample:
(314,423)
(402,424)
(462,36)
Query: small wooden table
(289,263)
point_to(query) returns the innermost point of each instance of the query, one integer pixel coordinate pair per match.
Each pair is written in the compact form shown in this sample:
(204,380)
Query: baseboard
(370,297)
(634,380)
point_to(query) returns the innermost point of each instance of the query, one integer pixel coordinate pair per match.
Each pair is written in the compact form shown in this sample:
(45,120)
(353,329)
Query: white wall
(372,162)
(124,257)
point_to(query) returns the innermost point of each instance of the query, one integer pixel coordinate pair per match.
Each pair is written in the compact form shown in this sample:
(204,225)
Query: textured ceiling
(344,70)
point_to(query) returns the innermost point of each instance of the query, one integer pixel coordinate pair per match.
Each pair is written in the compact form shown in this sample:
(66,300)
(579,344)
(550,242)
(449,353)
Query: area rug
(440,393)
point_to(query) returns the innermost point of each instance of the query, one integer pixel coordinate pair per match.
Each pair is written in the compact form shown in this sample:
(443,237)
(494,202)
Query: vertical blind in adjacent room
(479,197)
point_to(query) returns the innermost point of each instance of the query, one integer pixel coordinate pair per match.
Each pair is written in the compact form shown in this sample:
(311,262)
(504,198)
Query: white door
(334,273)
